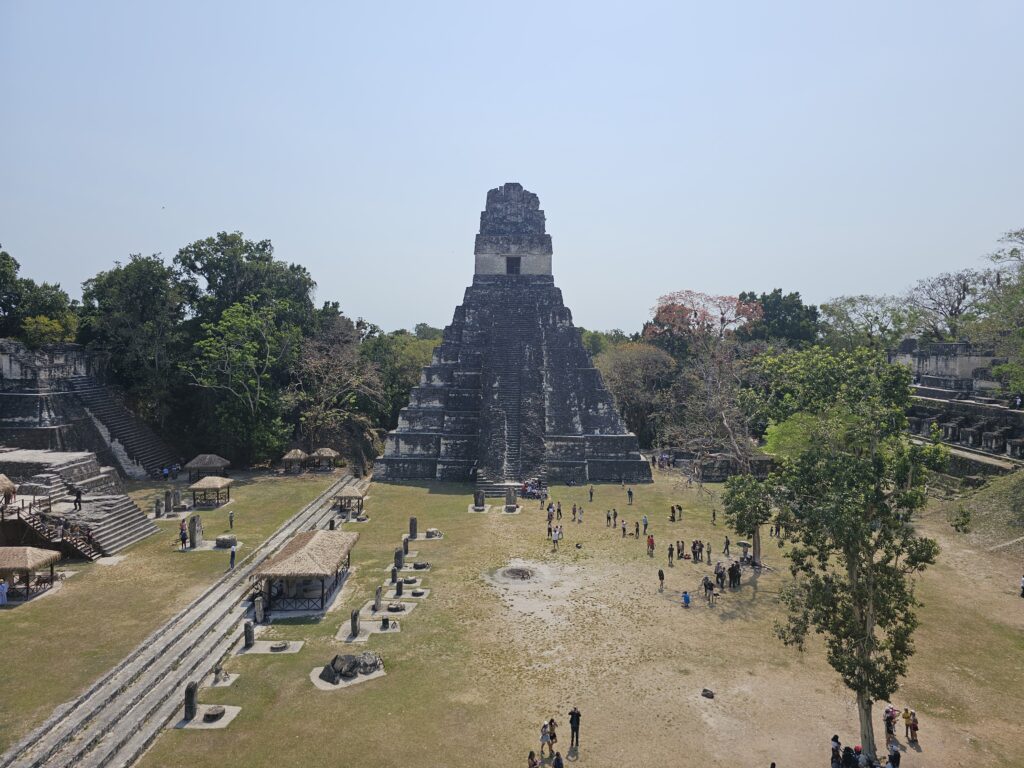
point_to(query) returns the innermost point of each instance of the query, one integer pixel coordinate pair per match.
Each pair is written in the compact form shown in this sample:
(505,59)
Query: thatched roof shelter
(309,555)
(206,464)
(211,484)
(19,559)
(295,454)
(22,562)
(326,453)
(6,485)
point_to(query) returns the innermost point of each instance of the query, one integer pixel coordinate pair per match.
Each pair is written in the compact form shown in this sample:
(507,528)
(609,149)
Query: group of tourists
(171,472)
(910,724)
(549,741)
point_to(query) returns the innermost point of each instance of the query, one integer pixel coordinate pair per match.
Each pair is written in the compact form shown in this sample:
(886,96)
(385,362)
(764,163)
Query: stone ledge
(197,723)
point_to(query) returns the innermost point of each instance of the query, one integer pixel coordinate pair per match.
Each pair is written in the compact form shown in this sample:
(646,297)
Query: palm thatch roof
(26,558)
(310,554)
(211,483)
(7,485)
(326,453)
(208,461)
(295,454)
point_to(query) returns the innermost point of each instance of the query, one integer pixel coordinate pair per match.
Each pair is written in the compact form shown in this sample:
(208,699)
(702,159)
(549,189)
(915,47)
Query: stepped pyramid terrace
(511,393)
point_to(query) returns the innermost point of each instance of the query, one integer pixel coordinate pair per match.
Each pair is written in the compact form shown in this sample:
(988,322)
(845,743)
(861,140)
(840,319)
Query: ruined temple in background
(511,393)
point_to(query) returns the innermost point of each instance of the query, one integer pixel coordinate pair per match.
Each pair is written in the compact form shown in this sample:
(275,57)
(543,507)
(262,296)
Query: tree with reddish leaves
(683,317)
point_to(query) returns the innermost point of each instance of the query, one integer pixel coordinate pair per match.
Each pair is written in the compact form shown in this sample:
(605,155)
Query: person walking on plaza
(574,727)
(906,722)
(645,523)
(608,519)
(714,516)
(579,517)
(725,550)
(661,580)
(670,553)
(615,516)
(574,513)
(231,519)
(623,527)
(629,495)
(545,739)
(636,530)
(591,494)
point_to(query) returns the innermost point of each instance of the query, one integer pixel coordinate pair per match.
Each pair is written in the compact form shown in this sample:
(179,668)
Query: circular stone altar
(518,573)
(213,713)
(280,645)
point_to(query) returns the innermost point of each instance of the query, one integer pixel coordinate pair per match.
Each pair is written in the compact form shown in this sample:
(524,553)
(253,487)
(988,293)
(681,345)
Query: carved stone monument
(330,524)
(158,508)
(195,531)
(398,588)
(511,505)
(405,546)
(511,392)
(412,527)
(191,700)
(176,498)
(394,575)
(399,559)
(168,502)
(347,667)
(479,502)
(257,608)
(354,619)
(250,635)
(376,599)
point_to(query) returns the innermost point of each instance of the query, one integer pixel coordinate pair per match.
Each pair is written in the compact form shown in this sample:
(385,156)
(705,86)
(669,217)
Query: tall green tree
(640,378)
(238,361)
(133,314)
(36,313)
(747,504)
(227,269)
(784,317)
(876,322)
(851,493)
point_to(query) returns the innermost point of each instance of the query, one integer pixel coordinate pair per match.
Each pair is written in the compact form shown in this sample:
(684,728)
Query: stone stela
(511,390)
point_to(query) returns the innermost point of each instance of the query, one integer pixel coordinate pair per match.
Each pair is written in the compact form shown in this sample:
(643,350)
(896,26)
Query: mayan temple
(511,393)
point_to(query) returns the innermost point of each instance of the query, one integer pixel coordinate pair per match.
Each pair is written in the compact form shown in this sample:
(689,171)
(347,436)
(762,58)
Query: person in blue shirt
(686,599)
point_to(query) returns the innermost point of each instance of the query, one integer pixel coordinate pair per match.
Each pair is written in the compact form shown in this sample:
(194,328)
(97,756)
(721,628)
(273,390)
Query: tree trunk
(757,545)
(867,728)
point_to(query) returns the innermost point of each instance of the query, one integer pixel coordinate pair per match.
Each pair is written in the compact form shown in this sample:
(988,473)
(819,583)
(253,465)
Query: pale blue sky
(830,148)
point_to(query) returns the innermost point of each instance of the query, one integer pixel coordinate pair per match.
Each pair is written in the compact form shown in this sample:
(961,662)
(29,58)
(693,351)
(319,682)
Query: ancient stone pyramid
(511,393)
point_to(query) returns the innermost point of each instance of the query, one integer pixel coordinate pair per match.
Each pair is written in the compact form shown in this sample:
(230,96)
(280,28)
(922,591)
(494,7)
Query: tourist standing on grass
(574,513)
(231,519)
(615,516)
(623,528)
(579,518)
(670,552)
(645,523)
(636,530)
(234,550)
(591,494)
(629,495)
(4,586)
(558,510)
(183,536)
(608,524)
(714,516)
(574,727)
(661,580)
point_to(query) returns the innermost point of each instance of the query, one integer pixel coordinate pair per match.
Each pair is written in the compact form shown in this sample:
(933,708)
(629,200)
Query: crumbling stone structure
(511,393)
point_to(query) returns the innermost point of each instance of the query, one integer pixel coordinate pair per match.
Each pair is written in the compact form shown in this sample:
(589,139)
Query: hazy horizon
(829,150)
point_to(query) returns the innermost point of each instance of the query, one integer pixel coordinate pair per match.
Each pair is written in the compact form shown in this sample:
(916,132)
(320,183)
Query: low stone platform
(366,613)
(225,681)
(323,685)
(474,511)
(365,630)
(263,646)
(198,724)
(407,592)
